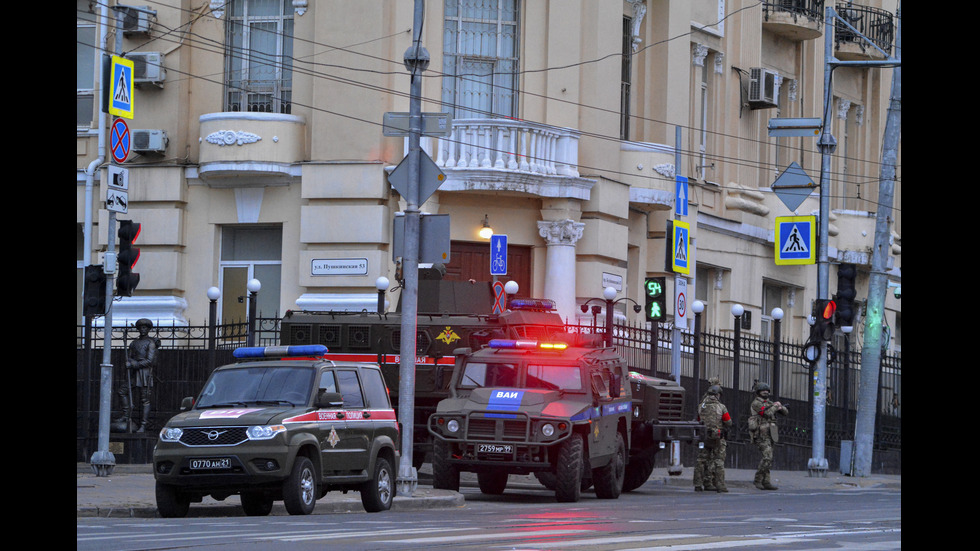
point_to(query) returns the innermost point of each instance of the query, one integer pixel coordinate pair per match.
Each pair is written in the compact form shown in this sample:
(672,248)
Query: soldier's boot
(719,481)
(767,485)
(144,418)
(758,481)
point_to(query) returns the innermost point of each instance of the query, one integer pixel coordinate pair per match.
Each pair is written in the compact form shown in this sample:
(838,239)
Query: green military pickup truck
(281,424)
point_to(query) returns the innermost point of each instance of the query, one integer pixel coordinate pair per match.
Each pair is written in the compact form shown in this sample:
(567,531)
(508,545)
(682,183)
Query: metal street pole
(416,61)
(102,460)
(864,426)
(827,144)
(817,465)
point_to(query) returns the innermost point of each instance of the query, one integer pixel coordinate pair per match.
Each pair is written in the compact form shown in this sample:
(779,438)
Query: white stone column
(559,275)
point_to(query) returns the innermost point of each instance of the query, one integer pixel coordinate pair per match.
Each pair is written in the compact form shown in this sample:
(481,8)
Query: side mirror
(187,403)
(329,400)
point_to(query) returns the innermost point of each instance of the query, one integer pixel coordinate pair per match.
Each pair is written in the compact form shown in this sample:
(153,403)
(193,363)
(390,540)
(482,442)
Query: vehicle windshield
(257,386)
(479,374)
(547,377)
(554,377)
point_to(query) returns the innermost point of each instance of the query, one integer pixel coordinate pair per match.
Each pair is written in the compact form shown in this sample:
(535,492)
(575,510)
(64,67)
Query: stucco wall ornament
(232,137)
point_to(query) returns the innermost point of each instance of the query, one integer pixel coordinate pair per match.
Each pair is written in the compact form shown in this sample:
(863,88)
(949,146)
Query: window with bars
(480,58)
(258,56)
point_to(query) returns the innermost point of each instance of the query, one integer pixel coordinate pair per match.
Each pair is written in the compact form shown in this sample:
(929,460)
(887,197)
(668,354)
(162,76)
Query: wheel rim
(306,486)
(384,485)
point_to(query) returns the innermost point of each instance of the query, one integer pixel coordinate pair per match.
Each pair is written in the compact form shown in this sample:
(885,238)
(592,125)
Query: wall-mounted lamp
(486,231)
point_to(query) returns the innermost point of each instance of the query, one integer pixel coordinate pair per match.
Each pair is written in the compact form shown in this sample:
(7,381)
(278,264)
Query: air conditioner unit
(148,68)
(136,20)
(149,141)
(762,88)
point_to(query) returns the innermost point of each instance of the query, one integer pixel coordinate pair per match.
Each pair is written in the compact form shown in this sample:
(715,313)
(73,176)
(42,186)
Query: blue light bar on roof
(525,344)
(531,304)
(512,343)
(280,351)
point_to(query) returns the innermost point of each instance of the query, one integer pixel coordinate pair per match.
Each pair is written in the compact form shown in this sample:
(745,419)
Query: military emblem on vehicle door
(448,336)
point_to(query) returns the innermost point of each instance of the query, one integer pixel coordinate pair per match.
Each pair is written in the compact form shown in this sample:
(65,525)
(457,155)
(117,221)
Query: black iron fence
(190,353)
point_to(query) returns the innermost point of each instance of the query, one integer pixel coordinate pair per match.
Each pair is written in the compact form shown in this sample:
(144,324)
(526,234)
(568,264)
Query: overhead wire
(312,72)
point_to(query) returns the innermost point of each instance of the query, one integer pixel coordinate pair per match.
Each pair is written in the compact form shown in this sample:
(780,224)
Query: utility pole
(864,428)
(416,61)
(817,465)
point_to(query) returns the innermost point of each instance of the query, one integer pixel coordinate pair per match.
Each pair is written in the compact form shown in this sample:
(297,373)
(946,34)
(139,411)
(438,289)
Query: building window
(85,33)
(626,79)
(480,58)
(774,295)
(258,56)
(250,252)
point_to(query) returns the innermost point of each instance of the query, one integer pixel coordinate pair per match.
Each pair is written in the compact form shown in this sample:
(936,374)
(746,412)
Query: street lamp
(381,284)
(737,311)
(697,307)
(213,295)
(253,287)
(777,316)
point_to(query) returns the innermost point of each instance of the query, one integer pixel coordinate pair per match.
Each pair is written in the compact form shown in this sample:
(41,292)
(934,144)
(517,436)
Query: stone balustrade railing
(506,144)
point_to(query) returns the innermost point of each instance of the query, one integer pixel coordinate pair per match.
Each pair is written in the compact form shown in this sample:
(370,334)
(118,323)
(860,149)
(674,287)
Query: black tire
(256,504)
(378,493)
(637,472)
(568,474)
(546,478)
(170,503)
(492,483)
(444,475)
(608,479)
(299,490)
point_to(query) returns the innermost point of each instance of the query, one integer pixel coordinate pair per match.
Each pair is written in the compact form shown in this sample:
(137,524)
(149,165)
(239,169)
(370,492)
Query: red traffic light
(127,280)
(829,308)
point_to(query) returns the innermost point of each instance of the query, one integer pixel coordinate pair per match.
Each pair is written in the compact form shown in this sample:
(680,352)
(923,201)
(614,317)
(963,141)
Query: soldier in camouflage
(711,459)
(707,477)
(764,433)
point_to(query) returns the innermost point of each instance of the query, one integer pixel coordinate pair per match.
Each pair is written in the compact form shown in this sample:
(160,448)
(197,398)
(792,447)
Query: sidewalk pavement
(129,491)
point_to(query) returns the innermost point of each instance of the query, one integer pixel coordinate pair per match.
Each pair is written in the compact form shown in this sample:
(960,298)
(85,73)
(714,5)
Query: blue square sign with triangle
(796,240)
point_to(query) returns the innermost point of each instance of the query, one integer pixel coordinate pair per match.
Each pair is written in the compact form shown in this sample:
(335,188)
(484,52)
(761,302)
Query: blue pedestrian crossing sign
(796,240)
(680,259)
(121,87)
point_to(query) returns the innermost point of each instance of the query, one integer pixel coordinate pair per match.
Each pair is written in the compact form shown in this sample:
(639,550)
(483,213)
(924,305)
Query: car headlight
(263,432)
(171,434)
(548,430)
(452,425)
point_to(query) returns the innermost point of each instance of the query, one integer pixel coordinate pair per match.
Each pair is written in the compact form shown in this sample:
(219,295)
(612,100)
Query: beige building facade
(565,117)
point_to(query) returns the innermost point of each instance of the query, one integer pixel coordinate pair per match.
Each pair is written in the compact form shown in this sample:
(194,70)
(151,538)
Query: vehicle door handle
(367,414)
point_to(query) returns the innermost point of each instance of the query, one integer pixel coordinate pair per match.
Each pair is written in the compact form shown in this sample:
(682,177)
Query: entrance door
(472,261)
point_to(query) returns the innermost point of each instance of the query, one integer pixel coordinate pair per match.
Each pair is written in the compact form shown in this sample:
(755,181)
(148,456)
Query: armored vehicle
(451,314)
(270,428)
(566,409)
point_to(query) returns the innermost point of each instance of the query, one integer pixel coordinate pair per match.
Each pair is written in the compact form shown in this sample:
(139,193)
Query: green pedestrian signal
(654,290)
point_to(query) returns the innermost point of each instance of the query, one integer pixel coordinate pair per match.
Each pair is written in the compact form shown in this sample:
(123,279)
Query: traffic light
(845,294)
(656,303)
(823,314)
(127,279)
(93,296)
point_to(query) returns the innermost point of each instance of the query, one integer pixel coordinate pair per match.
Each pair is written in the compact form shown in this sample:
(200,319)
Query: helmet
(762,386)
(714,390)
(143,322)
